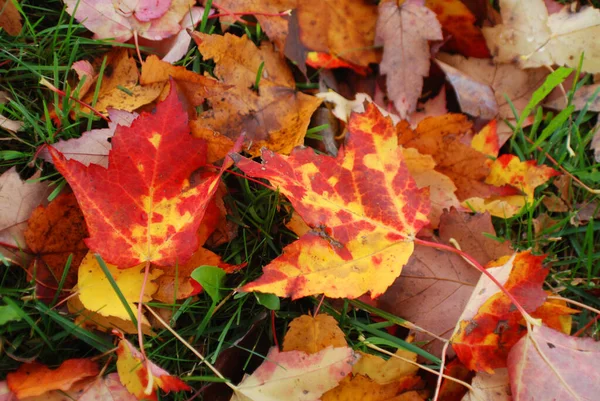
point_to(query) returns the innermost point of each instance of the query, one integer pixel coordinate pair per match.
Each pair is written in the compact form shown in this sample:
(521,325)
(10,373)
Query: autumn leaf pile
(413,102)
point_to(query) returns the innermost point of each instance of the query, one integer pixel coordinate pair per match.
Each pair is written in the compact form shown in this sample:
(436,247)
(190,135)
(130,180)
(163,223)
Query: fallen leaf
(53,234)
(312,334)
(385,372)
(296,376)
(441,188)
(320,60)
(458,21)
(33,379)
(10,125)
(273,116)
(134,373)
(490,387)
(97,294)
(505,80)
(535,39)
(93,146)
(153,20)
(546,364)
(404,32)
(345,107)
(595,143)
(18,199)
(157,213)
(345,29)
(276,27)
(363,204)
(433,107)
(435,286)
(451,390)
(10,19)
(583,97)
(490,325)
(486,141)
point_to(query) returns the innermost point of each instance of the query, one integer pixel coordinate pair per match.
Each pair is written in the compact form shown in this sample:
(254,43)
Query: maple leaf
(364,204)
(134,372)
(435,286)
(345,29)
(10,18)
(320,60)
(404,31)
(142,208)
(504,80)
(32,379)
(451,390)
(312,334)
(534,38)
(18,199)
(153,20)
(276,27)
(490,325)
(458,21)
(93,146)
(274,116)
(295,375)
(54,233)
(97,294)
(546,364)
(509,170)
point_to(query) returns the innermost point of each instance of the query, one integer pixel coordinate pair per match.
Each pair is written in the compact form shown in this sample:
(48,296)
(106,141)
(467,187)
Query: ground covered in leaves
(299,200)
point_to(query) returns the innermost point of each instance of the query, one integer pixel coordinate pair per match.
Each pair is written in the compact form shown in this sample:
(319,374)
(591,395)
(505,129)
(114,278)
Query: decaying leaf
(361,388)
(296,376)
(97,295)
(54,233)
(142,208)
(490,387)
(274,115)
(345,29)
(595,143)
(93,146)
(458,22)
(404,32)
(546,364)
(10,19)
(33,379)
(363,205)
(153,20)
(18,199)
(134,373)
(535,39)
(434,286)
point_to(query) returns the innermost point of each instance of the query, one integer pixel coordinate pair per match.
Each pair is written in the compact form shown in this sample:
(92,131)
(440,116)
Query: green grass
(49,44)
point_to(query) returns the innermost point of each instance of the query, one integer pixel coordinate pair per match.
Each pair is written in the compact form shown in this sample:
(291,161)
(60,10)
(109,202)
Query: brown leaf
(275,116)
(18,199)
(10,19)
(53,233)
(344,28)
(595,143)
(404,33)
(435,286)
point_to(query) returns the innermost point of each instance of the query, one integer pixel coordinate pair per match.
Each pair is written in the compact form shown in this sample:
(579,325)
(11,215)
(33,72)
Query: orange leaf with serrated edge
(32,379)
(363,205)
(134,374)
(142,208)
(490,324)
(458,21)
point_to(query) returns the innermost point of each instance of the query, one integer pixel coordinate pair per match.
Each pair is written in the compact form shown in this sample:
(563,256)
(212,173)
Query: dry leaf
(404,32)
(312,334)
(10,20)
(490,387)
(534,39)
(274,116)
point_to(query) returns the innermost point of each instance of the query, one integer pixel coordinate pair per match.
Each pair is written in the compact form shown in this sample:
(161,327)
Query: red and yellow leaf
(135,373)
(364,206)
(142,208)
(325,60)
(32,379)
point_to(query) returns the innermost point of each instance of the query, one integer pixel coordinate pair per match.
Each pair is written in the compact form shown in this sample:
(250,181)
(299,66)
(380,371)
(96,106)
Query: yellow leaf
(384,372)
(313,334)
(96,293)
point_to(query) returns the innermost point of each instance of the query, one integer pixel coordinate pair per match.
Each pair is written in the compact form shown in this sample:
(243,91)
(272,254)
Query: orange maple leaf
(142,208)
(32,379)
(490,324)
(364,205)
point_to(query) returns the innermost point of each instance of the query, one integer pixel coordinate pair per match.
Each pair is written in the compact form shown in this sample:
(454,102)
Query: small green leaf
(8,314)
(211,279)
(269,301)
